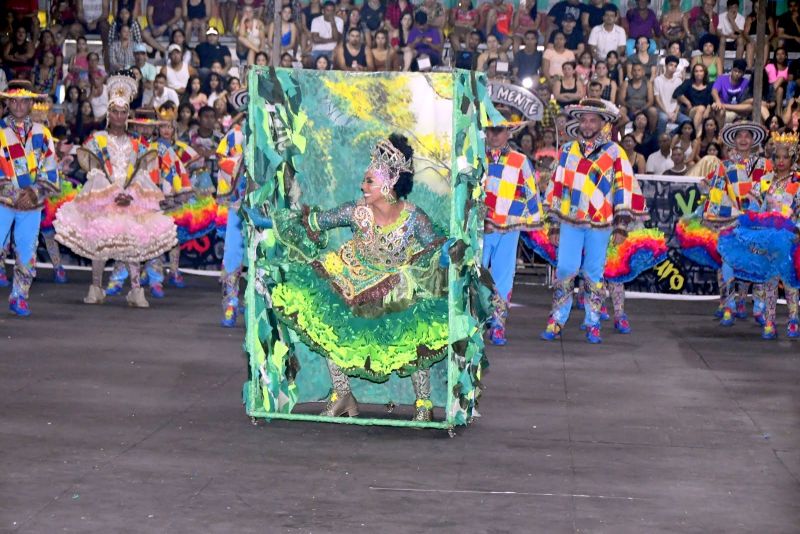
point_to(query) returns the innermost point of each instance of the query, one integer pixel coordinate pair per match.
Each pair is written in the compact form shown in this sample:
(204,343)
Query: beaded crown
(389,159)
(787,140)
(167,114)
(121,90)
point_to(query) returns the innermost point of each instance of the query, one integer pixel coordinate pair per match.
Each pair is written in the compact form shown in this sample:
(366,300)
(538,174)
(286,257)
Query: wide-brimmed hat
(21,89)
(729,131)
(509,119)
(240,99)
(145,117)
(572,129)
(596,106)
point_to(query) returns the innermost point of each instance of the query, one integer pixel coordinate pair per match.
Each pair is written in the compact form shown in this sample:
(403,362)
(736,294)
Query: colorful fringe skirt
(643,249)
(698,242)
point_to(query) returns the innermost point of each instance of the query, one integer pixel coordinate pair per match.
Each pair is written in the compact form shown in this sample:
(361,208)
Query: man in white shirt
(162,93)
(661,160)
(326,32)
(608,36)
(663,89)
(731,29)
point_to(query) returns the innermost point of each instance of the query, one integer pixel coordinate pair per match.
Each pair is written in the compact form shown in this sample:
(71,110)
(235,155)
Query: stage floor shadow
(127,420)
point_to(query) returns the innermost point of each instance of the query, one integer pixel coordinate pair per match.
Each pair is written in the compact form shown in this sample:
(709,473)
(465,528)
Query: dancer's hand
(123,200)
(27,200)
(553,236)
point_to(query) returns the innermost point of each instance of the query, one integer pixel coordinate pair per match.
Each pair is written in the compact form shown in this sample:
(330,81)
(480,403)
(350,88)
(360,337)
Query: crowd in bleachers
(666,71)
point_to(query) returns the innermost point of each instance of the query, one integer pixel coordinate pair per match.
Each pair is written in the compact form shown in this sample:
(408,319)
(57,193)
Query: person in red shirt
(701,20)
(496,20)
(395,11)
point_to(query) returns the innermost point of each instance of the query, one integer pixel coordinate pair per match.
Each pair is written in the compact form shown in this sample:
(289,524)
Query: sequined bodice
(384,247)
(119,150)
(389,246)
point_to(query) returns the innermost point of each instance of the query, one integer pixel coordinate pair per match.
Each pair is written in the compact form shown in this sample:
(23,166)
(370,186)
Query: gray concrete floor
(120,420)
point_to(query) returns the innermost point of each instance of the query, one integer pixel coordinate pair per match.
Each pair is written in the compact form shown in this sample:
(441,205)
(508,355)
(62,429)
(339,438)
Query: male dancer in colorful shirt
(28,174)
(512,204)
(730,184)
(592,195)
(231,184)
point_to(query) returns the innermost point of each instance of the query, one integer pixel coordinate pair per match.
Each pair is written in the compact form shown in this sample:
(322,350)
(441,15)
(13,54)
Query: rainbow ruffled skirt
(195,218)
(539,242)
(643,249)
(52,203)
(698,242)
(221,219)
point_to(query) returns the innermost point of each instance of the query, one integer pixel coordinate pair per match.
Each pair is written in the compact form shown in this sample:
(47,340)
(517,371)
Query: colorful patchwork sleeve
(628,200)
(555,187)
(230,158)
(721,205)
(174,175)
(186,154)
(532,198)
(47,179)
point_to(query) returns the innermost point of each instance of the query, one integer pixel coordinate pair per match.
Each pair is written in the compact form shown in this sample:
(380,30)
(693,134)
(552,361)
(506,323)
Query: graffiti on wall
(668,202)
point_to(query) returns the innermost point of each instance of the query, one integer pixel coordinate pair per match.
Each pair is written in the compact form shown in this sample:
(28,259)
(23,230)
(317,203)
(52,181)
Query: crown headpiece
(121,90)
(167,114)
(788,138)
(389,161)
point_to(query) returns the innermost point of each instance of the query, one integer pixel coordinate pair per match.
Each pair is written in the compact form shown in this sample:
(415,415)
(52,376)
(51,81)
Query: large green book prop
(309,137)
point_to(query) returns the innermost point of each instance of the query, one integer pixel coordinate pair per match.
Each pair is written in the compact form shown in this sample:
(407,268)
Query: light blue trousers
(232,258)
(233,254)
(580,249)
(500,257)
(26,238)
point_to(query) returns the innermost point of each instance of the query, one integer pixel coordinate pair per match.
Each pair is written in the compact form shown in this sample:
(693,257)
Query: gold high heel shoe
(338,406)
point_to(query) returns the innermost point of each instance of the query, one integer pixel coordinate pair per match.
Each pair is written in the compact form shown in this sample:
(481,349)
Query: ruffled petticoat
(93,226)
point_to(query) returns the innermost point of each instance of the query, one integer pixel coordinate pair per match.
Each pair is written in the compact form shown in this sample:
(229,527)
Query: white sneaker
(136,298)
(96,295)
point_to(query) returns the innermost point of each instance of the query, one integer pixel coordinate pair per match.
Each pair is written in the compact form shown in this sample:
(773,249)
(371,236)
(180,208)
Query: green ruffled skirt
(368,347)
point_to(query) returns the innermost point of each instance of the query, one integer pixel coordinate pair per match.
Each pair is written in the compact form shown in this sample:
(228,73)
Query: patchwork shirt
(28,162)
(730,185)
(172,160)
(780,196)
(594,186)
(512,200)
(205,166)
(230,154)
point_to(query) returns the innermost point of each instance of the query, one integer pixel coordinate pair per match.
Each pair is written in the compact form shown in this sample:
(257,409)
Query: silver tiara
(388,158)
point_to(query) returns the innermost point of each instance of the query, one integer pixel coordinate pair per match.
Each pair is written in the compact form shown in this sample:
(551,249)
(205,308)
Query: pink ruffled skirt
(93,226)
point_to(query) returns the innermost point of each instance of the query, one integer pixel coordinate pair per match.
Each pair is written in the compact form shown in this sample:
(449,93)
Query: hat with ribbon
(21,89)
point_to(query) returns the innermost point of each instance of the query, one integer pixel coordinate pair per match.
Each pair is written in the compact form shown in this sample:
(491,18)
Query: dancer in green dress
(378,304)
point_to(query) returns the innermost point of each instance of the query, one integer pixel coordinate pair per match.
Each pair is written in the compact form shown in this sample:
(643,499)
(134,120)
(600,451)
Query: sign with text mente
(516,97)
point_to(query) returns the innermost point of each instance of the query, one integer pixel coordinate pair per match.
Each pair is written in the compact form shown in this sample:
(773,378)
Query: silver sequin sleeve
(336,217)
(423,229)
